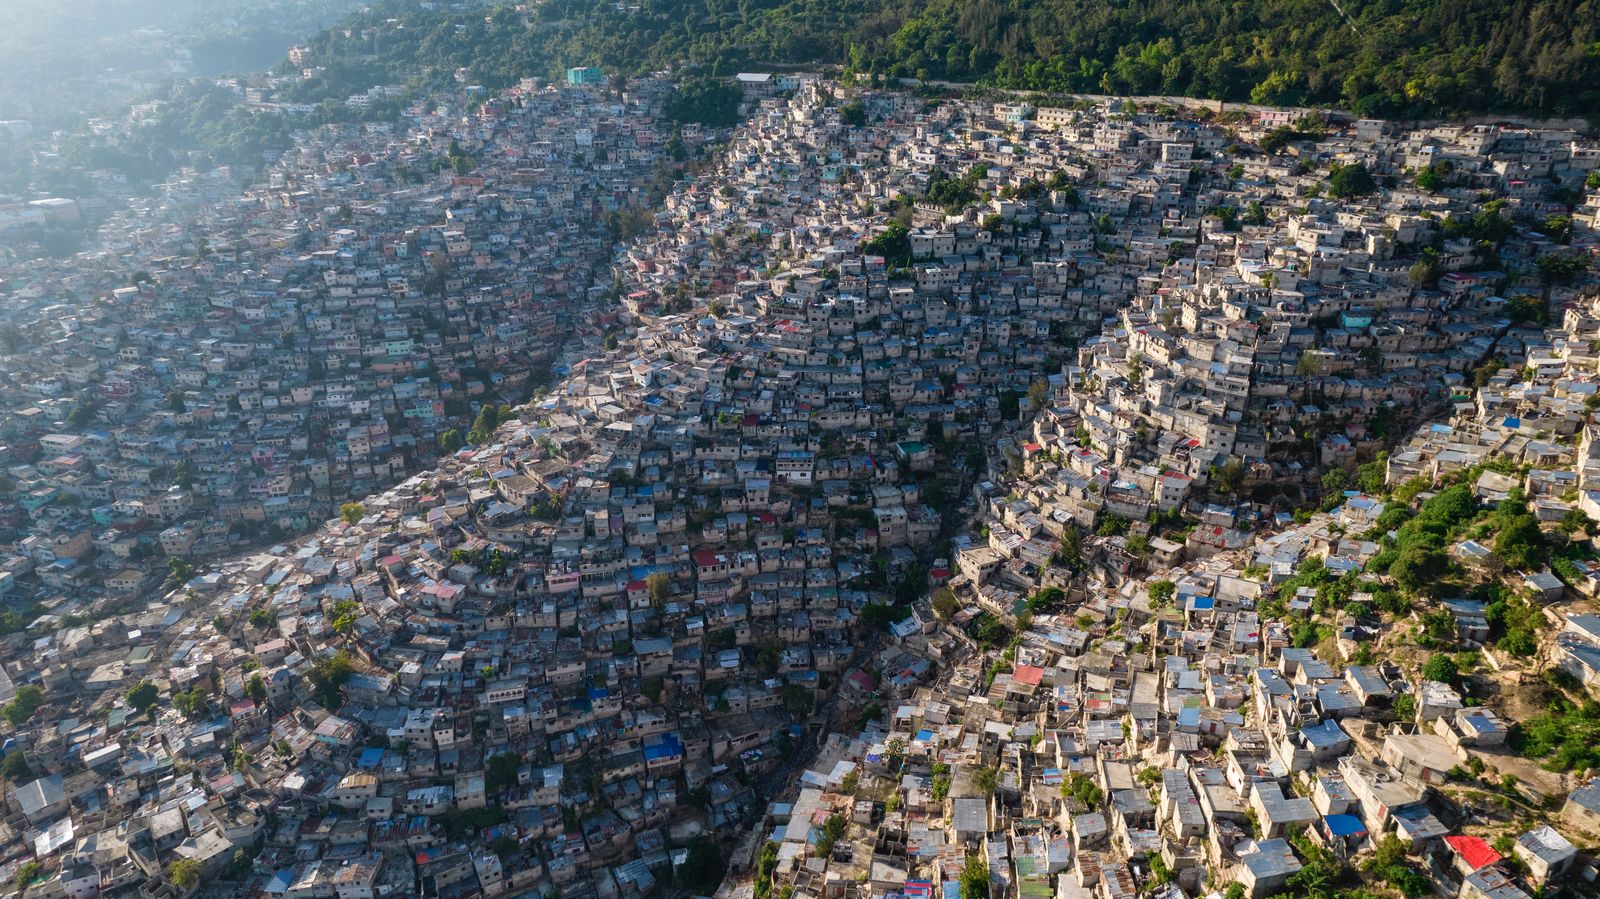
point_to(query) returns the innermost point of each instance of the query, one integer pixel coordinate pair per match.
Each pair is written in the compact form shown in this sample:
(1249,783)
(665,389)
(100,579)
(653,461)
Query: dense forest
(1382,57)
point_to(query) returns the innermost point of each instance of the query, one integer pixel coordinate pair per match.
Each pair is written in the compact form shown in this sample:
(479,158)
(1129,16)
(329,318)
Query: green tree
(185,873)
(1335,480)
(1440,667)
(1430,178)
(179,571)
(701,870)
(1371,476)
(660,586)
(1418,568)
(1070,553)
(1520,541)
(1389,863)
(1405,707)
(797,700)
(342,617)
(142,698)
(893,243)
(500,772)
(81,415)
(1228,477)
(832,829)
(1426,270)
(1161,593)
(328,675)
(14,767)
(1560,268)
(191,703)
(27,700)
(1526,308)
(765,865)
(352,513)
(1351,180)
(484,425)
(895,757)
(975,879)
(1558,228)
(706,101)
(1048,599)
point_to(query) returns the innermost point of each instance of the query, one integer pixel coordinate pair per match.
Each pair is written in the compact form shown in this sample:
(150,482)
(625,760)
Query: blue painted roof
(1328,733)
(666,747)
(1344,825)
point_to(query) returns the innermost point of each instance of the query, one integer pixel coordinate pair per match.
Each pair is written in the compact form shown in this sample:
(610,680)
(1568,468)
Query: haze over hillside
(58,60)
(1400,58)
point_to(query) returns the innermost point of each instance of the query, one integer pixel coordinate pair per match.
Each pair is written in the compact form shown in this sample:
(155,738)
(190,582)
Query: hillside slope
(1381,57)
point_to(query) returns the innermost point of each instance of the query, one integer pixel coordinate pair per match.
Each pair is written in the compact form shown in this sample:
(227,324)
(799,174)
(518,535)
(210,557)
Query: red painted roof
(1473,850)
(863,680)
(1028,675)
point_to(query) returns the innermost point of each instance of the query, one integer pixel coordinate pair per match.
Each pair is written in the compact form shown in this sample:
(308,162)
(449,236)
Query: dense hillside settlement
(888,496)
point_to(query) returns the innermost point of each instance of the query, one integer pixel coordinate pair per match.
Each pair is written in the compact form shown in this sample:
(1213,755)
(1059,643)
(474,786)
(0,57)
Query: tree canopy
(1404,57)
